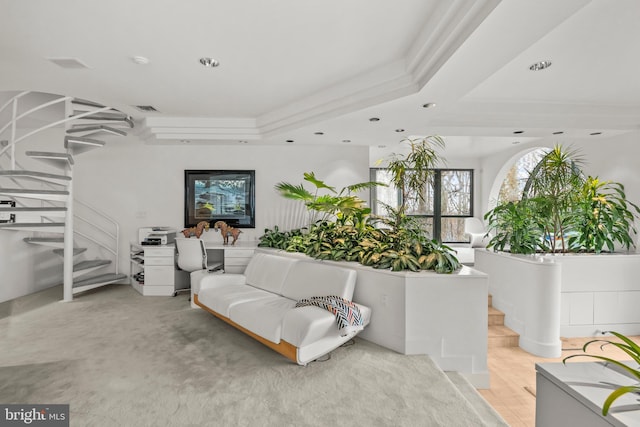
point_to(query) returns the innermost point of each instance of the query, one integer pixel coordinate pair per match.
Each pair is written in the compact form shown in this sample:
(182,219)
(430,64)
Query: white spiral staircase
(44,205)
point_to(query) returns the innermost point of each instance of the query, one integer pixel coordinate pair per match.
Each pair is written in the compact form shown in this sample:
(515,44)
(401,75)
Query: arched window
(516,178)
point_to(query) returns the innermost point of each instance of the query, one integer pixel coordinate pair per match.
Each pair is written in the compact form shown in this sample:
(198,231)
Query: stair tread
(82,139)
(33,209)
(108,278)
(57,159)
(87,103)
(76,251)
(44,239)
(109,118)
(36,174)
(495,312)
(83,265)
(501,331)
(31,191)
(95,129)
(32,224)
(54,154)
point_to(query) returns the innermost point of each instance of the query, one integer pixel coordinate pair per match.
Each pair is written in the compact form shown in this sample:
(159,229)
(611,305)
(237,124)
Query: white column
(68,244)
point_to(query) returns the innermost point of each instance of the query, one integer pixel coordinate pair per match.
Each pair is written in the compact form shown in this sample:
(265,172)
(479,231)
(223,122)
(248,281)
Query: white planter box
(573,394)
(442,315)
(545,297)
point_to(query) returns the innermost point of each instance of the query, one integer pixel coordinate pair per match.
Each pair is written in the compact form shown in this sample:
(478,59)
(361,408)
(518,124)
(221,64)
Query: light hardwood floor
(513,377)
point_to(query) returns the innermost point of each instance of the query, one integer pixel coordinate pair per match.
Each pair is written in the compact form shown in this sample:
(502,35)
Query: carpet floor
(120,359)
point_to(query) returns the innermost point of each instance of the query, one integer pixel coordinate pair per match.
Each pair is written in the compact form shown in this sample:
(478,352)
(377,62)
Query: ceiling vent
(68,62)
(147,108)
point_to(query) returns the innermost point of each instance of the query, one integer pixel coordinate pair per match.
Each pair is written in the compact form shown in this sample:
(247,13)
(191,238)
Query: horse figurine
(227,231)
(197,231)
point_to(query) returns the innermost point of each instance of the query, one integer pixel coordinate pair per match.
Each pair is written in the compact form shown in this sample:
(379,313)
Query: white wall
(141,184)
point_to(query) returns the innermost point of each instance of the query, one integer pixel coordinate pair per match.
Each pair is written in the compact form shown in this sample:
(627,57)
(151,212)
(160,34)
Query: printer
(156,235)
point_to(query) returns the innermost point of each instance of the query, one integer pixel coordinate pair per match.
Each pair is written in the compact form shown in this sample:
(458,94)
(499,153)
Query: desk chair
(192,257)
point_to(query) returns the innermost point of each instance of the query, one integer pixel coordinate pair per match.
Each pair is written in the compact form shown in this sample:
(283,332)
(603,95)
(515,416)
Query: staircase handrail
(50,125)
(34,109)
(10,101)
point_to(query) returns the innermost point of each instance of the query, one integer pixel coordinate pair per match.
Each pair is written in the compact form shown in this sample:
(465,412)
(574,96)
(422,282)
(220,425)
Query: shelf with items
(153,271)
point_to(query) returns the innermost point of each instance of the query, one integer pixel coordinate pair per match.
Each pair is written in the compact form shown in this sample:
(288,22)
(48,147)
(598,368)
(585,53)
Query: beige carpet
(120,359)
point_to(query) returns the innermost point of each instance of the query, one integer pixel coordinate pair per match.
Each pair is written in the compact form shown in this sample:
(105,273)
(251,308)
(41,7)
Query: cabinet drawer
(236,261)
(159,275)
(159,251)
(238,253)
(159,260)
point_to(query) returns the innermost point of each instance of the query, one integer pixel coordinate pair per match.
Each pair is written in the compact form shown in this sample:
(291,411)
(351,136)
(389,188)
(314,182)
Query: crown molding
(444,32)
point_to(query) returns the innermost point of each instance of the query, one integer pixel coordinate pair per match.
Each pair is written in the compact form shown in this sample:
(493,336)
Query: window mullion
(437,208)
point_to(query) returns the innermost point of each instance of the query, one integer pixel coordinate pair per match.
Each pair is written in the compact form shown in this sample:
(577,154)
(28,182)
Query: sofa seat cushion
(306,325)
(222,298)
(312,279)
(263,317)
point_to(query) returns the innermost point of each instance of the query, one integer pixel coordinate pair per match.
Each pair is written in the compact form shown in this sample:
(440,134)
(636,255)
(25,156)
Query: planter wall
(573,395)
(441,315)
(545,297)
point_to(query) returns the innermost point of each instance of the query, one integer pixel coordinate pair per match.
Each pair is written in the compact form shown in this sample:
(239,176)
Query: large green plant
(602,217)
(631,349)
(344,205)
(515,226)
(411,173)
(555,184)
(562,211)
(342,229)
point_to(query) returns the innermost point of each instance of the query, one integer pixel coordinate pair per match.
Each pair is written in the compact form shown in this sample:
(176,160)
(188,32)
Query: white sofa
(261,302)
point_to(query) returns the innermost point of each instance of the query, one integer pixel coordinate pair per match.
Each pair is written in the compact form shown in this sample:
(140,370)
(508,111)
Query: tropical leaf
(296,192)
(311,177)
(629,347)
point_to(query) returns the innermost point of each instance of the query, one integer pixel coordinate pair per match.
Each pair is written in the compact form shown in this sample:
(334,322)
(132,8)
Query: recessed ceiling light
(209,62)
(140,60)
(346,141)
(429,105)
(318,133)
(399,130)
(558,133)
(374,119)
(289,141)
(517,132)
(595,133)
(540,65)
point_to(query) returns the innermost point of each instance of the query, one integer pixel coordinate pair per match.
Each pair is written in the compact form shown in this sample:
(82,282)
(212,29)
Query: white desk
(234,258)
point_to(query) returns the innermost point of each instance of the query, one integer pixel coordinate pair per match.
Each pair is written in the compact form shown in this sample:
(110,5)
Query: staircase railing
(14,101)
(99,223)
(113,235)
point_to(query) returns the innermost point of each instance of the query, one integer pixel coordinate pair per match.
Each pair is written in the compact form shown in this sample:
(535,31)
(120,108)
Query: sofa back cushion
(314,279)
(268,272)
